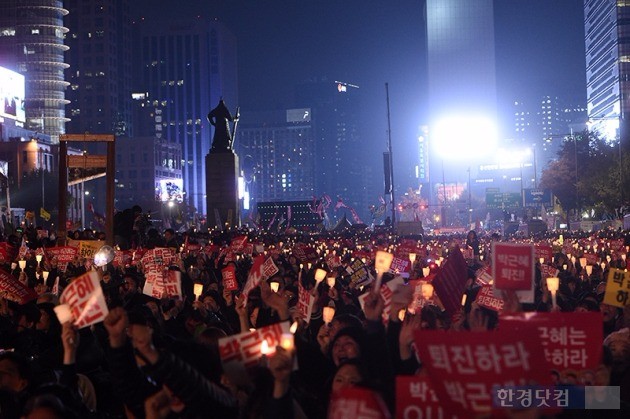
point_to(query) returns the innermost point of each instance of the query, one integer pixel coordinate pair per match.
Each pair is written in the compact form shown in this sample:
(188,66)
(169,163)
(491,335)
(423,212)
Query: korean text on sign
(245,347)
(512,266)
(617,288)
(85,297)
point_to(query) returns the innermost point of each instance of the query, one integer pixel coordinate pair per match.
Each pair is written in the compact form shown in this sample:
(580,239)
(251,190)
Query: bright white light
(171,204)
(462,137)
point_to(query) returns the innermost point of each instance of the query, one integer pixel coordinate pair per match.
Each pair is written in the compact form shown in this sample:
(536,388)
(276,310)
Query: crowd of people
(160,357)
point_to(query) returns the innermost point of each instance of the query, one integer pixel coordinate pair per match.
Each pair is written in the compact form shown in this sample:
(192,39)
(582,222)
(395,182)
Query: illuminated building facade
(100,67)
(277,155)
(185,69)
(607,26)
(32,36)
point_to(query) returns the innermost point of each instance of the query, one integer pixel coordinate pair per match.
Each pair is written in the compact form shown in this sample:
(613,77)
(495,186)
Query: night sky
(539,45)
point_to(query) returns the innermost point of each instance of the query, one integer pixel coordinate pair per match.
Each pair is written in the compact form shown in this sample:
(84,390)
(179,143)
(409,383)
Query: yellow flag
(44,214)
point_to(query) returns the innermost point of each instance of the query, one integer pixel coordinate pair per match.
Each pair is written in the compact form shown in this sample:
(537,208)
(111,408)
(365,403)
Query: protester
(172,326)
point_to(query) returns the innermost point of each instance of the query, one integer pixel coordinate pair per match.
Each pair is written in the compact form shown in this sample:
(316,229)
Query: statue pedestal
(222,190)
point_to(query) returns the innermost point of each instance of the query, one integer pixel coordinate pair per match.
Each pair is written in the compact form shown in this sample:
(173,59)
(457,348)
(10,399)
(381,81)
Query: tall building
(461,82)
(186,68)
(277,153)
(606,24)
(339,163)
(545,124)
(32,43)
(100,70)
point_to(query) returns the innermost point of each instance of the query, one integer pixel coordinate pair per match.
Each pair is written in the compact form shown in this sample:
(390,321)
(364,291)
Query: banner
(244,348)
(87,248)
(450,281)
(14,290)
(512,266)
(617,288)
(85,297)
(416,398)
(465,366)
(571,341)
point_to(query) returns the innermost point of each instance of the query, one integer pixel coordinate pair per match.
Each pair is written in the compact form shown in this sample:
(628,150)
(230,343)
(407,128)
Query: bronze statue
(220,118)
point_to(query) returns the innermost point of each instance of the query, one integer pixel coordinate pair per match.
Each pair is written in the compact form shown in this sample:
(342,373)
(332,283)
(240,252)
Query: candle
(331,281)
(287,342)
(328,314)
(320,274)
(22,264)
(412,258)
(427,291)
(63,313)
(198,290)
(553,283)
(426,271)
(382,263)
(275,286)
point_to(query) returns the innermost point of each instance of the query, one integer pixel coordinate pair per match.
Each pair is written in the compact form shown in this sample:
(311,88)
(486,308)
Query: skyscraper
(100,67)
(277,152)
(461,80)
(32,43)
(186,68)
(339,163)
(607,65)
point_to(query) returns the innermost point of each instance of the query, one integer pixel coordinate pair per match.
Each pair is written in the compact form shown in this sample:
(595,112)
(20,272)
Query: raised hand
(116,324)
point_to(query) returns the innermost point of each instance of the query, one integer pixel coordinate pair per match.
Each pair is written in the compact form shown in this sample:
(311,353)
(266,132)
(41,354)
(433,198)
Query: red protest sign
(229,278)
(464,369)
(485,298)
(14,290)
(121,258)
(544,251)
(333,261)
(269,268)
(512,266)
(591,259)
(305,303)
(245,347)
(238,243)
(450,281)
(85,297)
(416,398)
(570,340)
(548,271)
(158,259)
(357,402)
(7,252)
(304,253)
(64,255)
(399,265)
